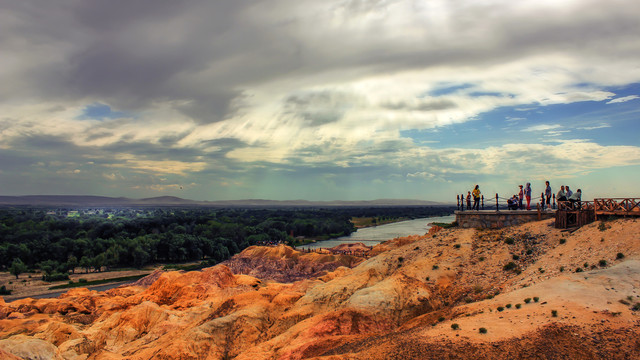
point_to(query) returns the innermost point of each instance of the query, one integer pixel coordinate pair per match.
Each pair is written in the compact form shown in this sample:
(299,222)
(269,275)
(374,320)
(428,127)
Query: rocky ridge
(521,285)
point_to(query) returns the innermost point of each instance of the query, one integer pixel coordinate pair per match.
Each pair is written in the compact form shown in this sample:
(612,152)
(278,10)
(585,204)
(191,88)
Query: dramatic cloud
(307,99)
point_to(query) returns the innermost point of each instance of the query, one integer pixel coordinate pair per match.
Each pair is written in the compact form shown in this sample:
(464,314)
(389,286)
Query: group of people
(476,198)
(516,201)
(565,194)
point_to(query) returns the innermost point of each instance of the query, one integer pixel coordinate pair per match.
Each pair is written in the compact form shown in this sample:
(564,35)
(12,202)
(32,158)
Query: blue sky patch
(98,111)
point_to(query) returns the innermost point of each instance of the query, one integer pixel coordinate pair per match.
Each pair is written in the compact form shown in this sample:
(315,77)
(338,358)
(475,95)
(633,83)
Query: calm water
(377,234)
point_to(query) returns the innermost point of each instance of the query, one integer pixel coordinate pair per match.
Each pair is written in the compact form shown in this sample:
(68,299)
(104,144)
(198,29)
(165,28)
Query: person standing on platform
(476,197)
(527,195)
(547,194)
(520,197)
(468,200)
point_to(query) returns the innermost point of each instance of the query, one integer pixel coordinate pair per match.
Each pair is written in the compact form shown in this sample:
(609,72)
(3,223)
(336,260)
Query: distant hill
(86,200)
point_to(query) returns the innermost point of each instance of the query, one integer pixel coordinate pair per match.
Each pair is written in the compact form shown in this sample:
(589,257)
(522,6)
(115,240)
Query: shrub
(529,252)
(56,277)
(400,259)
(457,246)
(500,308)
(602,227)
(561,268)
(468,300)
(510,266)
(435,267)
(441,319)
(619,256)
(508,306)
(586,265)
(541,270)
(481,258)
(562,241)
(515,257)
(518,306)
(578,270)
(602,262)
(482,330)
(489,296)
(527,300)
(82,280)
(455,326)
(636,307)
(4,291)
(554,313)
(535,298)
(509,241)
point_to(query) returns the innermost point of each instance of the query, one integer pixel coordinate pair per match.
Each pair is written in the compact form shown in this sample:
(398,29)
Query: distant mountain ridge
(90,200)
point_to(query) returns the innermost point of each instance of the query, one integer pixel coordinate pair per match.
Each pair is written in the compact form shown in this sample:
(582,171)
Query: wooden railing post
(554,201)
(458,200)
(482,201)
(497,205)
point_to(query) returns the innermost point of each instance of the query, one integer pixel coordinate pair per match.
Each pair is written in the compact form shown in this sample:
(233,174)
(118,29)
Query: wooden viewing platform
(579,213)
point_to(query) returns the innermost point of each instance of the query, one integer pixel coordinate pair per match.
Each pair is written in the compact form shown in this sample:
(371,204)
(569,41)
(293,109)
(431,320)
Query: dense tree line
(29,238)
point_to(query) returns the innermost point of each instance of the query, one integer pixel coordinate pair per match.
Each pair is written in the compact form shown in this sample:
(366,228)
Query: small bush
(602,262)
(510,266)
(500,308)
(529,252)
(619,256)
(578,270)
(636,307)
(508,306)
(515,257)
(489,296)
(482,330)
(527,300)
(455,326)
(82,280)
(554,313)
(400,259)
(535,299)
(440,319)
(481,258)
(435,267)
(562,241)
(518,306)
(457,246)
(561,268)
(541,270)
(585,265)
(602,227)
(4,291)
(509,241)
(468,300)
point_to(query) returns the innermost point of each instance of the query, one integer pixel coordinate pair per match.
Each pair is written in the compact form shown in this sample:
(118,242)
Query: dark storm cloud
(320,108)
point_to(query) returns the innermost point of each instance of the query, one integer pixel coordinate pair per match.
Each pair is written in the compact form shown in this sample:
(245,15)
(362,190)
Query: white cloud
(542,127)
(623,99)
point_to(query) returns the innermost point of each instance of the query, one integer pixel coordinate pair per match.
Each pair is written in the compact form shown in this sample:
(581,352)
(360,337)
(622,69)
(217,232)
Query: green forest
(36,239)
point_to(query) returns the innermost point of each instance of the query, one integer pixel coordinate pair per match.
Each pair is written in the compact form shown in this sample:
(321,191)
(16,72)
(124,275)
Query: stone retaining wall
(491,219)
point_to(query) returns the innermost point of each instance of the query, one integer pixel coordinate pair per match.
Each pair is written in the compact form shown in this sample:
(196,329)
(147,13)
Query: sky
(318,100)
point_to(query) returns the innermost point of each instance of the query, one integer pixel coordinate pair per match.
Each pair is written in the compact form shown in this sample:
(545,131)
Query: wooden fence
(579,213)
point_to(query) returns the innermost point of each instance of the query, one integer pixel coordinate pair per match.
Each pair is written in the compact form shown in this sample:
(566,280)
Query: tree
(17,267)
(72,262)
(85,263)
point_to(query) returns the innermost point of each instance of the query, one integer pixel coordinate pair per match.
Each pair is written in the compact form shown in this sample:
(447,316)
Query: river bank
(376,234)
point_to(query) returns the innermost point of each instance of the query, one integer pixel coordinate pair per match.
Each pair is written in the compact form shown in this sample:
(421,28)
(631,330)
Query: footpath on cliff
(528,292)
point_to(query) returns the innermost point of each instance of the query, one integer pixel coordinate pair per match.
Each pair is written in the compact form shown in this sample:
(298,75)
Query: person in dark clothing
(468,199)
(547,194)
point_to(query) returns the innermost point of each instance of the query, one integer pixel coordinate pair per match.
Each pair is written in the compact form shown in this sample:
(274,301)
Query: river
(377,234)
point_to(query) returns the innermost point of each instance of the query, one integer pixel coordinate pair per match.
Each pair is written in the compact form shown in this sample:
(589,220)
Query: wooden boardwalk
(576,214)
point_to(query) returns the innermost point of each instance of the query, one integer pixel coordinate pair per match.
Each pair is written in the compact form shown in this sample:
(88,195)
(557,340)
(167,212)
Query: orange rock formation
(403,303)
